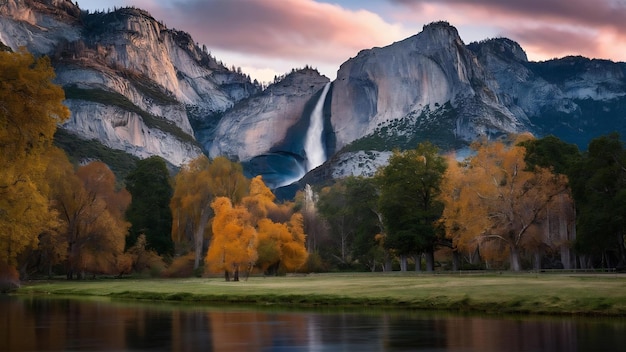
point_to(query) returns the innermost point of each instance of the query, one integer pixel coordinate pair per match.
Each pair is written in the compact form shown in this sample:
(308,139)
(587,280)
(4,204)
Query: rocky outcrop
(259,124)
(574,98)
(416,75)
(38,25)
(267,132)
(131,83)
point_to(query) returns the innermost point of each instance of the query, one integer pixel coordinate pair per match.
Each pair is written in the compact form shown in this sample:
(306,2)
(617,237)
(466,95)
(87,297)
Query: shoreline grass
(546,294)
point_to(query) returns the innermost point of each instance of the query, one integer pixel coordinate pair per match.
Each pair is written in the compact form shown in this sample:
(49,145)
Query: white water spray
(313,146)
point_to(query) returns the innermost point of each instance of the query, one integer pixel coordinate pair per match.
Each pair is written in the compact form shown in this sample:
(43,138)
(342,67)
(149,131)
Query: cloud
(547,42)
(295,29)
(545,28)
(589,13)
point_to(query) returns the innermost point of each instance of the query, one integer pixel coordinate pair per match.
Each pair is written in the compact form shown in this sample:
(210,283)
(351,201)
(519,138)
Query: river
(61,324)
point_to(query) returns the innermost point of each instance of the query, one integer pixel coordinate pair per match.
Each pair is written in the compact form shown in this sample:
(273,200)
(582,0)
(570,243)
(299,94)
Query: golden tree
(294,252)
(107,240)
(281,244)
(256,232)
(91,210)
(491,201)
(234,241)
(196,186)
(30,108)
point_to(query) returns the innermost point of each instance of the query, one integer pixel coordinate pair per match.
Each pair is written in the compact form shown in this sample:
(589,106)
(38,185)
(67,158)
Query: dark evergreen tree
(551,152)
(149,212)
(409,186)
(350,210)
(598,184)
(362,200)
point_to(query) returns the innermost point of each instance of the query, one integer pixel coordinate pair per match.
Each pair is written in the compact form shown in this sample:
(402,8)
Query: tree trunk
(403,263)
(343,245)
(418,262)
(621,262)
(199,237)
(226,276)
(430,261)
(564,234)
(537,260)
(583,261)
(387,266)
(475,256)
(455,260)
(514,258)
(70,261)
(236,274)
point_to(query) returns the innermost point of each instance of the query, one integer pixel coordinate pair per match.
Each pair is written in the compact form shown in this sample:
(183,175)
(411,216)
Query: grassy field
(557,294)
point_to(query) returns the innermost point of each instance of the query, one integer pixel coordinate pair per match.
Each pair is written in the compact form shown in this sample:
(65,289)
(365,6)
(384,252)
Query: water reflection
(35,324)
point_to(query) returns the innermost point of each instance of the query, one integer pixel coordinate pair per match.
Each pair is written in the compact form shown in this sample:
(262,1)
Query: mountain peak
(61,10)
(502,47)
(440,25)
(441,29)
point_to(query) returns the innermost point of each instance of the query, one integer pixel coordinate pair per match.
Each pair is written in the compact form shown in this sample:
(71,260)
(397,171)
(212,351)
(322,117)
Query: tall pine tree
(149,212)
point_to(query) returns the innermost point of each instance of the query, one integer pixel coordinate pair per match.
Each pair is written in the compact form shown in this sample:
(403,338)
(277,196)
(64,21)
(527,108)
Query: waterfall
(313,146)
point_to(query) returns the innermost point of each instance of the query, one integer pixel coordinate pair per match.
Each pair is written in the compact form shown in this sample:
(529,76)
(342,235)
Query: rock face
(574,98)
(267,132)
(130,82)
(433,87)
(254,126)
(385,91)
(135,85)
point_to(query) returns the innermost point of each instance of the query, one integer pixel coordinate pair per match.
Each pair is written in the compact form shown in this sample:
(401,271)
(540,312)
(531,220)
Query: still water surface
(36,324)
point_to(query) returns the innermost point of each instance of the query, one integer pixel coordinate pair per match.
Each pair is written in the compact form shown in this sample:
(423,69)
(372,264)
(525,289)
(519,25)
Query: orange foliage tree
(196,186)
(492,202)
(30,108)
(52,247)
(255,232)
(91,210)
(233,246)
(281,241)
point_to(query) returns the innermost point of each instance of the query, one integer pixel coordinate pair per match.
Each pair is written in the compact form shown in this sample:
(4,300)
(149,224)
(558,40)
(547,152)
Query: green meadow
(553,294)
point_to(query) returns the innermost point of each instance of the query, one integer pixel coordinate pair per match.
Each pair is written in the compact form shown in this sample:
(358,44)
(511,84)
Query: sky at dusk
(270,37)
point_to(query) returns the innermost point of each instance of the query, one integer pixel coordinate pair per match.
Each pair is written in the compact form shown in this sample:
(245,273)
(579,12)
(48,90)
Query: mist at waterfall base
(305,148)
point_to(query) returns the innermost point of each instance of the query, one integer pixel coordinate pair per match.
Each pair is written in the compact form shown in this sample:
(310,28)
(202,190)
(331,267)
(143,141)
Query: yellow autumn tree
(91,210)
(105,248)
(281,244)
(196,186)
(234,240)
(257,232)
(493,202)
(30,109)
(294,250)
(52,247)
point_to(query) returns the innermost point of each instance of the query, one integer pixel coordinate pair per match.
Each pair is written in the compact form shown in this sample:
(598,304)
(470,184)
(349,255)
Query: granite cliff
(130,82)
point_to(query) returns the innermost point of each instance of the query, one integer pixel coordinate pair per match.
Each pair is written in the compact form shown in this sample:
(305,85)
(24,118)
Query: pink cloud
(585,12)
(295,29)
(546,42)
(544,28)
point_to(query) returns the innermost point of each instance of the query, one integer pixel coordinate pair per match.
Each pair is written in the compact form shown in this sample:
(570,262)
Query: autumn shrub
(146,261)
(181,266)
(315,264)
(9,278)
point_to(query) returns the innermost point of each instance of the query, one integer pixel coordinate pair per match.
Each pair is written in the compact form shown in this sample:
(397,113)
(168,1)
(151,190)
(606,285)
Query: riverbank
(553,294)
